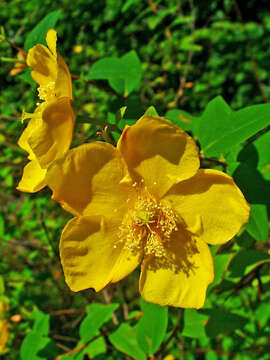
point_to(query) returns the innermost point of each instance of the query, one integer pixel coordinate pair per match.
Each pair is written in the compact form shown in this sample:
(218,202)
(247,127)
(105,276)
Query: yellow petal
(213,197)
(91,254)
(33,178)
(63,85)
(17,68)
(53,134)
(88,181)
(23,140)
(43,63)
(160,152)
(51,38)
(4,334)
(181,279)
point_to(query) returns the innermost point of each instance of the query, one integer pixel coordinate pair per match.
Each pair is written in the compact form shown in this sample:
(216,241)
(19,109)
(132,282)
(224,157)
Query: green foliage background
(205,58)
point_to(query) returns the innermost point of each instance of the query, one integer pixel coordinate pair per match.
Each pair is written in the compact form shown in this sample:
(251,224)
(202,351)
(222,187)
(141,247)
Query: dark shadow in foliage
(221,321)
(50,351)
(135,108)
(250,180)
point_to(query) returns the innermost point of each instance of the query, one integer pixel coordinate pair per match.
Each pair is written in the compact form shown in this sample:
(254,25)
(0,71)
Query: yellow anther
(47,92)
(148,226)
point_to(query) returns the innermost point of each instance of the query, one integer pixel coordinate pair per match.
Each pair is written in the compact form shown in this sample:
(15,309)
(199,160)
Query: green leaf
(2,286)
(244,260)
(262,313)
(124,339)
(2,226)
(220,265)
(262,145)
(98,314)
(220,128)
(120,114)
(258,223)
(152,327)
(156,19)
(151,111)
(211,125)
(222,321)
(127,4)
(253,185)
(257,155)
(26,77)
(210,322)
(38,34)
(123,74)
(32,344)
(211,355)
(181,118)
(194,324)
(42,323)
(96,348)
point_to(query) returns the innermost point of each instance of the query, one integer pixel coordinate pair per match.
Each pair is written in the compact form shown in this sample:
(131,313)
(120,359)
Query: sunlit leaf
(124,339)
(123,74)
(37,347)
(220,128)
(38,34)
(97,315)
(42,323)
(194,324)
(181,118)
(152,327)
(151,111)
(258,223)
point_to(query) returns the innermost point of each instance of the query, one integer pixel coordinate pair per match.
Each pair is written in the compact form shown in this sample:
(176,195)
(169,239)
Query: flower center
(47,92)
(148,226)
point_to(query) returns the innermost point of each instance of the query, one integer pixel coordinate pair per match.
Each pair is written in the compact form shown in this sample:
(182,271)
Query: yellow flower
(4,326)
(146,202)
(78,49)
(49,132)
(20,65)
(4,334)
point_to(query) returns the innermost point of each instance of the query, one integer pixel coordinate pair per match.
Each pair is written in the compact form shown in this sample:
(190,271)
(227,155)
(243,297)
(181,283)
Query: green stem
(7,59)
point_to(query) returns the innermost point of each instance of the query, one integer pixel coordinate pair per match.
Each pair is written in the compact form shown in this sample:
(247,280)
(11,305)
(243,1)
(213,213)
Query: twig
(49,239)
(214,162)
(64,338)
(257,135)
(66,312)
(17,48)
(245,281)
(251,55)
(107,299)
(182,79)
(76,321)
(153,6)
(70,352)
(63,347)
(20,30)
(7,117)
(125,305)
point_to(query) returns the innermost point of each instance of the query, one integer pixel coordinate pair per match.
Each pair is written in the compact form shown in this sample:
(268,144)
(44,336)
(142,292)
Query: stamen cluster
(47,92)
(148,226)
